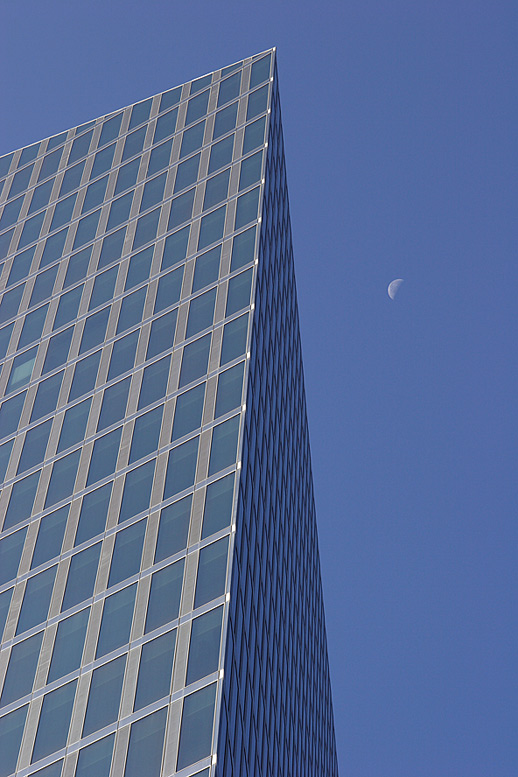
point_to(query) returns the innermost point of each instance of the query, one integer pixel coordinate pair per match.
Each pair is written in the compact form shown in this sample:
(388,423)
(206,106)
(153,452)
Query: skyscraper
(160,599)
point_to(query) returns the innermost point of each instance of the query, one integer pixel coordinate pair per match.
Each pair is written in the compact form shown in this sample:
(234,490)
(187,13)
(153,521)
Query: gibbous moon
(393,287)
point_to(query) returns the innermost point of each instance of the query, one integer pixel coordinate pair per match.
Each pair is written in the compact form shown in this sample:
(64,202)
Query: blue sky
(398,121)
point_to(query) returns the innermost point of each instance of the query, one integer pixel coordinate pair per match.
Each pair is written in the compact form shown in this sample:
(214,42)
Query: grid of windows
(127,283)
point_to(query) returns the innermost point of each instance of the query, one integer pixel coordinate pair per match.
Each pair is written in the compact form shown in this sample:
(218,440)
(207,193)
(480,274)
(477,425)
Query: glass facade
(160,601)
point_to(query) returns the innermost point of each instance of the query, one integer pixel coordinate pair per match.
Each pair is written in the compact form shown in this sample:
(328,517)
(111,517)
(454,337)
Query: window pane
(71,179)
(57,350)
(156,663)
(154,382)
(205,645)
(146,228)
(63,212)
(169,288)
(112,248)
(103,161)
(175,248)
(85,375)
(86,229)
(254,135)
(230,389)
(81,576)
(116,622)
(21,670)
(21,266)
(69,644)
(139,268)
(80,147)
(110,129)
(201,313)
(123,355)
(160,157)
(94,510)
(238,295)
(221,154)
(105,694)
(145,746)
(173,529)
(137,491)
(95,194)
(181,209)
(104,286)
(229,89)
(146,434)
(181,468)
(166,125)
(225,121)
(10,303)
(50,164)
(134,143)
(127,176)
(114,404)
(21,371)
(197,107)
(94,330)
(170,98)
(95,760)
(162,334)
(68,307)
(11,730)
(234,339)
(132,309)
(11,212)
(21,181)
(260,71)
(206,270)
(10,554)
(164,596)
(212,572)
(188,411)
(74,425)
(50,536)
(41,196)
(211,228)
(140,112)
(46,396)
(218,505)
(197,723)
(187,173)
(153,192)
(5,453)
(34,446)
(5,601)
(127,553)
(195,360)
(21,501)
(36,600)
(250,170)
(216,189)
(246,210)
(192,139)
(224,445)
(78,266)
(63,478)
(257,102)
(104,456)
(53,770)
(43,286)
(10,412)
(119,211)
(55,717)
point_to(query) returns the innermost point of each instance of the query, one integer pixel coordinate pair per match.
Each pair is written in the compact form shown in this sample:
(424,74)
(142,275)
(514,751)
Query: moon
(393,287)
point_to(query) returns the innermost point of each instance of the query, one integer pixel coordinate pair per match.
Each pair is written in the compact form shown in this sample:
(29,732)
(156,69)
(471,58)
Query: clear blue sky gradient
(400,127)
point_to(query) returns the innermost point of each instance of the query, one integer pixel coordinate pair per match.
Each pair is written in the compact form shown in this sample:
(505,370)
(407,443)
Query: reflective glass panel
(11,730)
(137,491)
(21,670)
(156,663)
(146,434)
(173,529)
(36,600)
(74,425)
(95,760)
(46,396)
(206,270)
(114,404)
(127,553)
(161,337)
(204,645)
(104,696)
(197,723)
(145,746)
(63,478)
(94,510)
(68,646)
(55,717)
(212,572)
(154,382)
(169,288)
(81,576)
(195,360)
(10,554)
(50,536)
(104,456)
(188,411)
(116,621)
(164,596)
(218,505)
(181,467)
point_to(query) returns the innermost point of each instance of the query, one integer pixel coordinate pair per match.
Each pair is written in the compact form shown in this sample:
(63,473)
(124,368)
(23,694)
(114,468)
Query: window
(181,467)
(153,192)
(134,143)
(20,268)
(43,286)
(114,404)
(204,645)
(50,164)
(229,89)
(36,600)
(110,129)
(104,456)
(104,697)
(169,288)
(234,339)
(21,371)
(188,411)
(80,147)
(218,505)
(81,576)
(164,596)
(127,176)
(146,434)
(211,227)
(104,286)
(225,121)
(221,154)
(21,670)
(11,730)
(127,553)
(94,511)
(159,158)
(238,296)
(10,554)
(166,125)
(250,170)
(41,196)
(257,102)
(175,248)
(123,355)
(46,396)
(34,446)
(68,307)
(94,330)
(173,529)
(154,382)
(140,113)
(63,478)
(10,213)
(197,107)
(94,760)
(181,209)
(86,229)
(145,746)
(201,313)
(212,572)
(85,375)
(170,98)
(10,303)
(77,267)
(260,71)
(50,536)
(71,179)
(74,425)
(112,247)
(156,664)
(119,211)
(192,139)
(147,227)
(195,360)
(95,194)
(55,717)
(187,173)
(116,621)
(247,205)
(230,389)
(254,135)
(21,501)
(161,337)
(132,310)
(68,646)
(5,453)
(224,445)
(206,270)
(216,189)
(137,491)
(57,350)
(63,212)
(197,723)
(139,268)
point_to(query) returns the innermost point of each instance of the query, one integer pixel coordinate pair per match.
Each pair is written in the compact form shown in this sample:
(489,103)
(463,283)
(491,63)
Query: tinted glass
(132,309)
(161,337)
(139,268)
(181,467)
(46,396)
(85,375)
(145,746)
(173,528)
(11,730)
(127,176)
(212,571)
(218,505)
(221,154)
(169,288)
(146,434)
(234,339)
(10,553)
(34,446)
(116,621)
(187,173)
(74,425)
(206,270)
(114,404)
(137,491)
(95,760)
(123,355)
(156,663)
(204,645)
(94,510)
(104,456)
(188,411)
(224,445)
(50,536)
(104,697)
(55,717)
(21,670)
(104,286)
(196,730)
(127,553)
(81,576)
(63,478)
(68,646)
(36,600)
(230,389)
(195,360)
(164,596)
(21,501)
(175,248)
(211,228)
(154,382)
